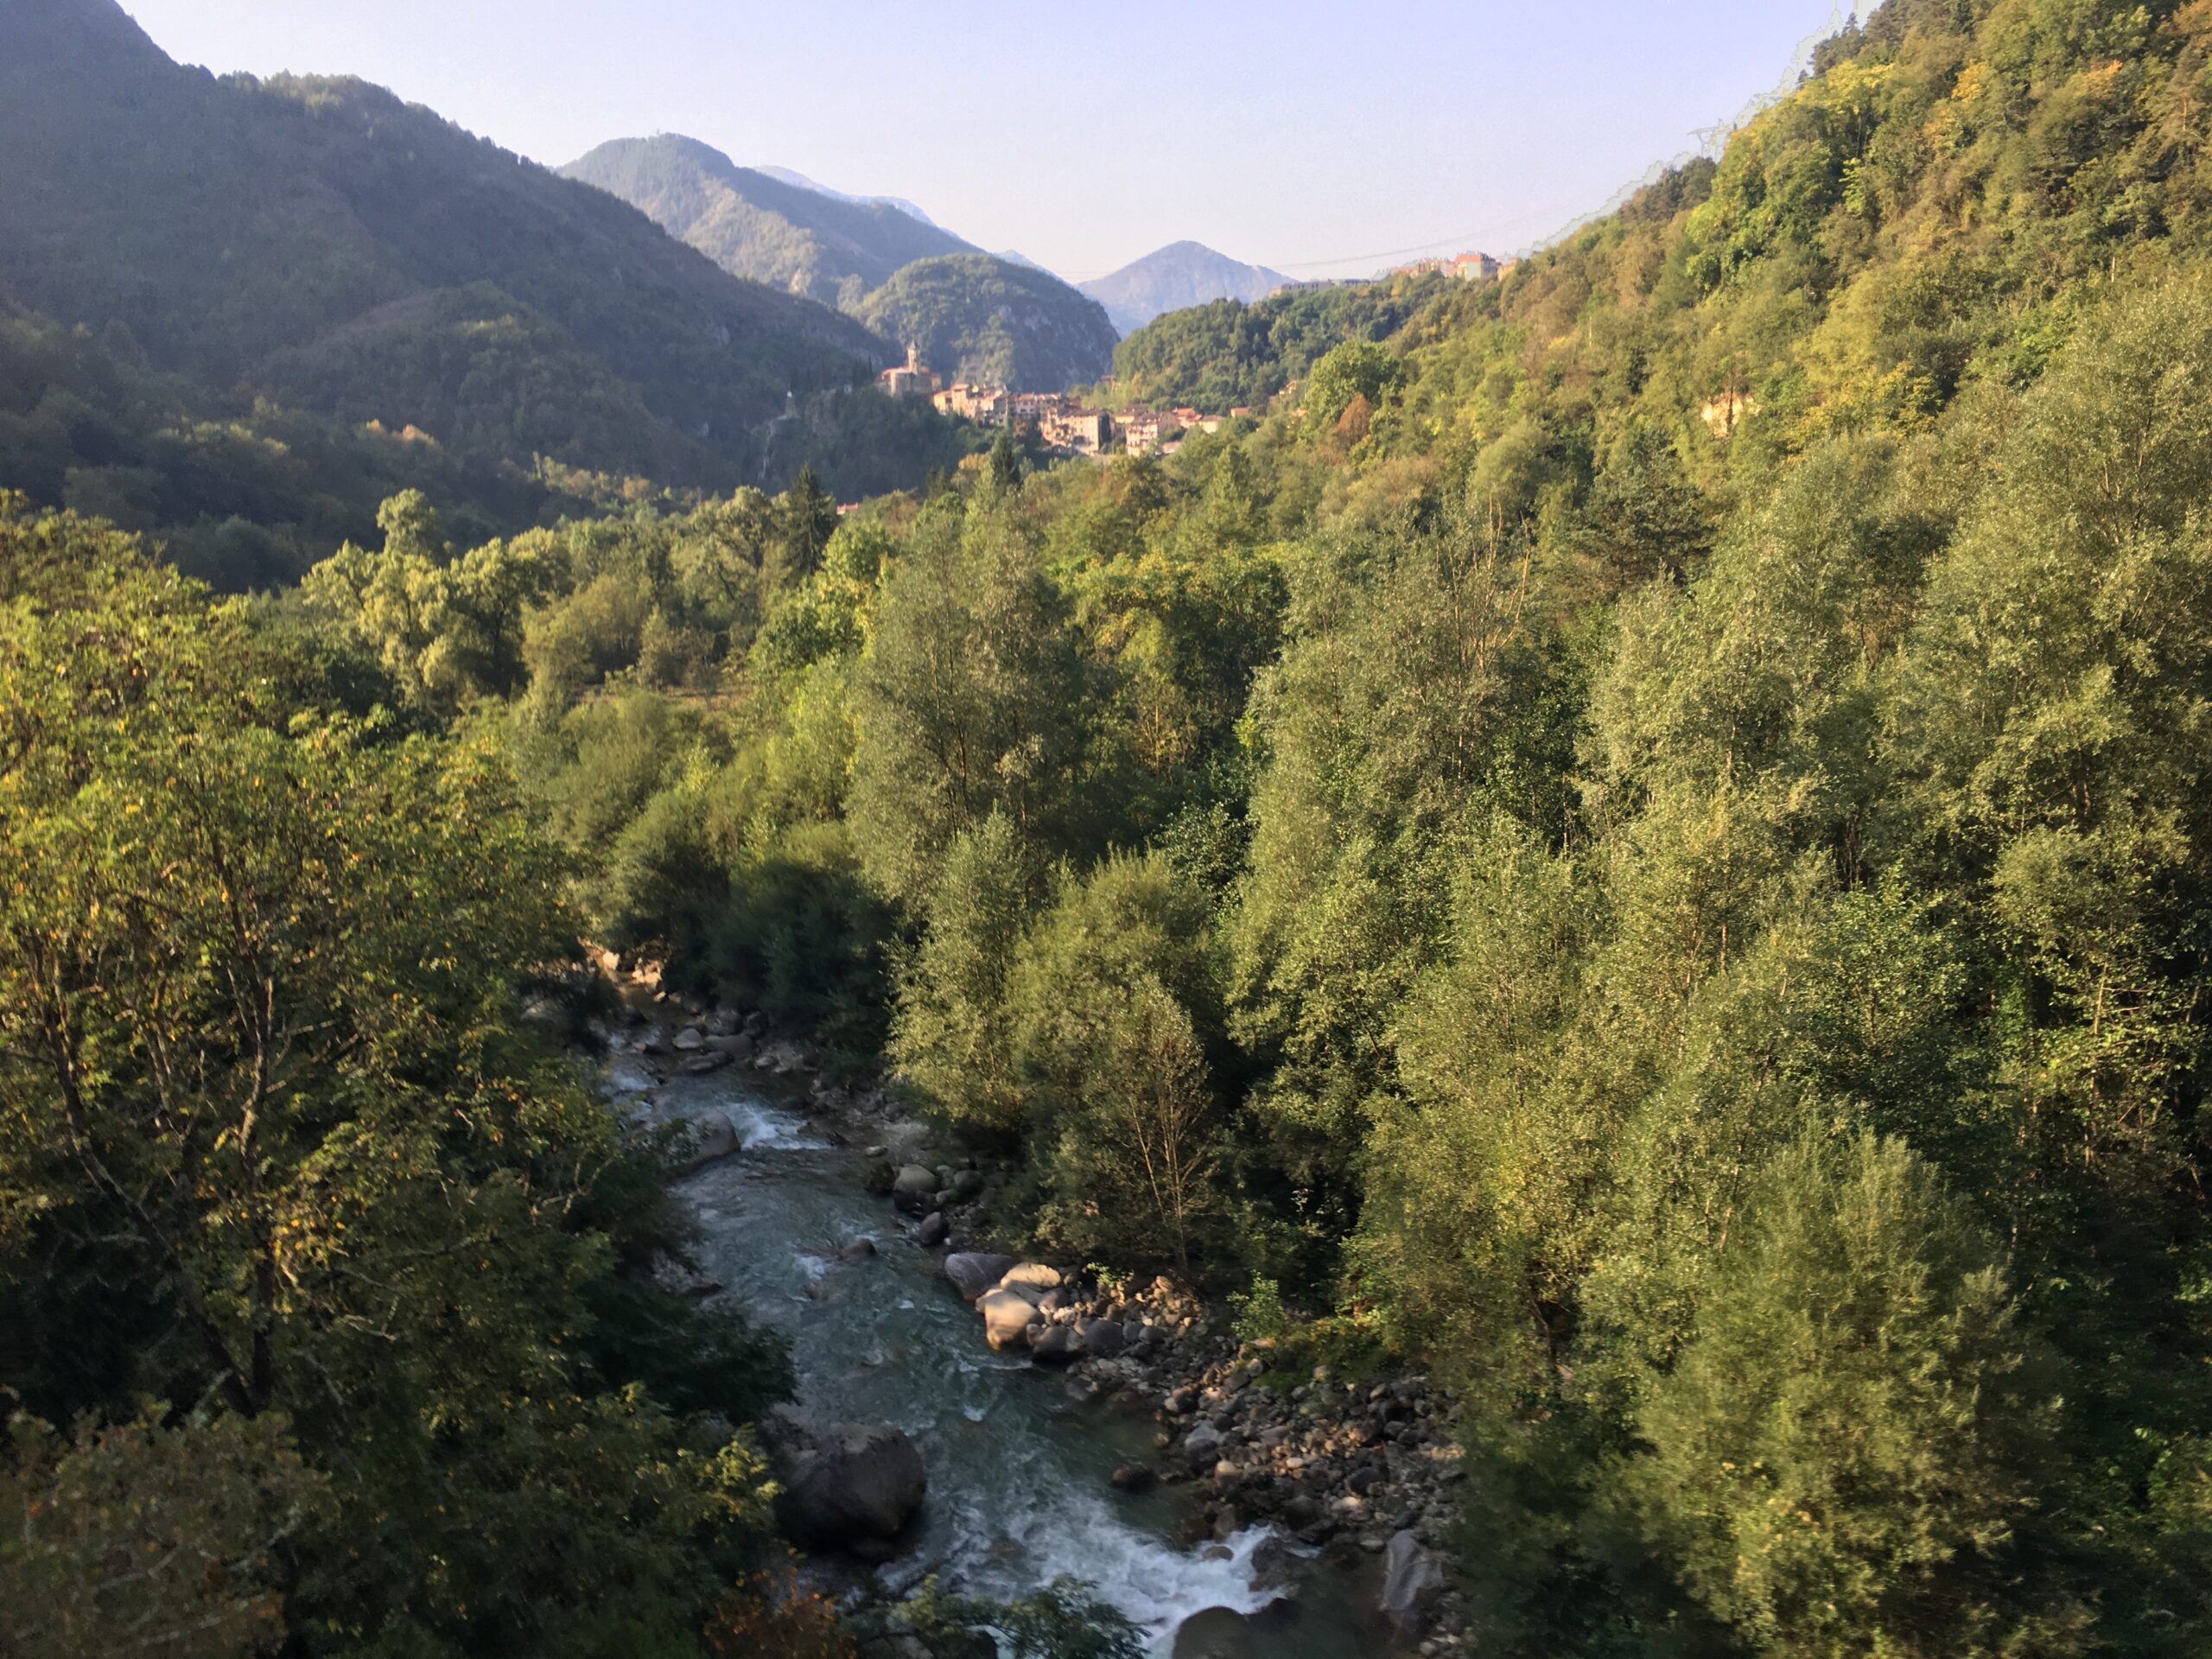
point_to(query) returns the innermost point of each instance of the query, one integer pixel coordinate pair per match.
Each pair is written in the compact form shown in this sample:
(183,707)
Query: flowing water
(1018,1489)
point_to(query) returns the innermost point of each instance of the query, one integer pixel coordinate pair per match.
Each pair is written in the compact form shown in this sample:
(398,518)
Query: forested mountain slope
(989,320)
(762,228)
(973,316)
(365,260)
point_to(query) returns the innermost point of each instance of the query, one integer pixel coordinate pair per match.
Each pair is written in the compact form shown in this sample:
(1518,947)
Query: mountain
(756,224)
(787,175)
(1174,277)
(975,318)
(320,242)
(994,318)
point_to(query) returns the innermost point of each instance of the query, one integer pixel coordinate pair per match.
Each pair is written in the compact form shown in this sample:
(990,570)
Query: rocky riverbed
(1058,1425)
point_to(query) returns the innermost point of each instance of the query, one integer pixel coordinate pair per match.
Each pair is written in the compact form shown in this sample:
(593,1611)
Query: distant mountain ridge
(1175,279)
(996,318)
(788,175)
(761,226)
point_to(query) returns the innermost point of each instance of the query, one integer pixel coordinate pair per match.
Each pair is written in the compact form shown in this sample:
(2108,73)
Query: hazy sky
(1321,139)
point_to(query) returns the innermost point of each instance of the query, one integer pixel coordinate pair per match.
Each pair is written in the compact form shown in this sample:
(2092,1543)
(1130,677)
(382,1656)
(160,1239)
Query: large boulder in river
(1006,1320)
(853,1488)
(1217,1633)
(1412,1582)
(690,1038)
(973,1272)
(933,1230)
(713,1135)
(1102,1337)
(914,1190)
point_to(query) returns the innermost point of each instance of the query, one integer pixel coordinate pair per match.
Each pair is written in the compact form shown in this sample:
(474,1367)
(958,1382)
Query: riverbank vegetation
(1645,841)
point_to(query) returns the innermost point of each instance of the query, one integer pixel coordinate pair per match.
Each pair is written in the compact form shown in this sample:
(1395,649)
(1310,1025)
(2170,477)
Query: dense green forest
(1643,839)
(1227,355)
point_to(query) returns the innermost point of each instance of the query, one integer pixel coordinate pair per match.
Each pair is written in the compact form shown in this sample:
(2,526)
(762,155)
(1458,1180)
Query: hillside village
(1069,426)
(1063,423)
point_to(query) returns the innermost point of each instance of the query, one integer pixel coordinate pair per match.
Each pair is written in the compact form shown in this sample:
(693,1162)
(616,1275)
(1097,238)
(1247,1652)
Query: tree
(806,517)
(1113,1002)
(145,1538)
(970,699)
(952,1036)
(1848,1455)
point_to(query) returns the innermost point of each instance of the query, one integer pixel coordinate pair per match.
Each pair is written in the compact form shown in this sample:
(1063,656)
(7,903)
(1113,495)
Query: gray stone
(1057,1344)
(973,1272)
(737,1046)
(914,1189)
(1006,1320)
(699,1064)
(1102,1337)
(852,1487)
(967,1183)
(933,1231)
(690,1038)
(1134,1478)
(1411,1583)
(1202,1447)
(713,1136)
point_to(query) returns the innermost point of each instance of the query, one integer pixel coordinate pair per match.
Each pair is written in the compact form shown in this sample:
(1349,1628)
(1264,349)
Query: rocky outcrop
(851,1488)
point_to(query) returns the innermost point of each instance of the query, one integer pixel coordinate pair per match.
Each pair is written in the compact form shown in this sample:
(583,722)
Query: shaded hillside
(976,318)
(768,229)
(363,255)
(1175,278)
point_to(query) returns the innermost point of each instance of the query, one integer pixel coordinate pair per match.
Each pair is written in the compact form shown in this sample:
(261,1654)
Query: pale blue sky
(1313,138)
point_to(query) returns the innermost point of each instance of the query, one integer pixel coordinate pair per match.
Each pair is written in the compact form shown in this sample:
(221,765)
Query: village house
(1140,432)
(985,405)
(1086,431)
(1467,267)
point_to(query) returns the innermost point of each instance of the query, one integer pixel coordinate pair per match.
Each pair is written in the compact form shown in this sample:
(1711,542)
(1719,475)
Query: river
(1018,1467)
